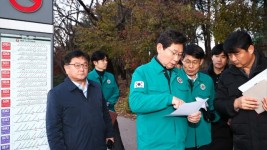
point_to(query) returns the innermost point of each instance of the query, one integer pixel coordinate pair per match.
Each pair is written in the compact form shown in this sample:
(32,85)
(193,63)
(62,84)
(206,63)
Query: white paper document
(188,108)
(258,91)
(205,105)
(257,88)
(259,77)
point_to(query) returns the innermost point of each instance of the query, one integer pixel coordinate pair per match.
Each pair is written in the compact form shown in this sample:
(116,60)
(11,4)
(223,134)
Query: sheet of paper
(258,91)
(205,105)
(188,108)
(251,82)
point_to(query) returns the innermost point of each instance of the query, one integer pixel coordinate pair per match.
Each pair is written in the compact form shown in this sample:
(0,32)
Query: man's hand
(264,103)
(176,102)
(195,117)
(247,103)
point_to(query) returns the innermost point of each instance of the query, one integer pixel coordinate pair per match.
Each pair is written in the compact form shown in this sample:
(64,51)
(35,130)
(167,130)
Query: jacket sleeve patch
(139,84)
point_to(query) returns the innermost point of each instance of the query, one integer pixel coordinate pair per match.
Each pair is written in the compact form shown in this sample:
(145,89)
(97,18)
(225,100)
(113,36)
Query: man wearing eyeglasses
(77,117)
(153,96)
(193,84)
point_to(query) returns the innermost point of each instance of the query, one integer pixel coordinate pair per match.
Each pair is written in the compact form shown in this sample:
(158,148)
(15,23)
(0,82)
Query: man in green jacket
(197,86)
(109,88)
(153,96)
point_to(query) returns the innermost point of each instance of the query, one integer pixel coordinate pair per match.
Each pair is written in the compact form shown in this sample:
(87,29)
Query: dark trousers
(204,147)
(118,145)
(222,136)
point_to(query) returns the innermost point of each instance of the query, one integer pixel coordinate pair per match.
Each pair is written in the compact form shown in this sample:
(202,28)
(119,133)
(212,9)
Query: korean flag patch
(139,84)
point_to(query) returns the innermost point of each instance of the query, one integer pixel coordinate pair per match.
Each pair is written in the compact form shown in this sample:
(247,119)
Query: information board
(25,80)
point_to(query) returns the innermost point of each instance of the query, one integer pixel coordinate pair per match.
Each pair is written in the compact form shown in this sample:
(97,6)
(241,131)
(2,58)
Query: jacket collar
(261,63)
(70,86)
(211,71)
(159,67)
(95,75)
(199,78)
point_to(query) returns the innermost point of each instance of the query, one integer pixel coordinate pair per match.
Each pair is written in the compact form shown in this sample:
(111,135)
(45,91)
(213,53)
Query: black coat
(222,137)
(74,122)
(215,77)
(249,128)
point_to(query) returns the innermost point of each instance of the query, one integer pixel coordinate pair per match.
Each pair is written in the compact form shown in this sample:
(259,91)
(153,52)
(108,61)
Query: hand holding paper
(246,103)
(264,104)
(195,117)
(259,92)
(176,102)
(189,108)
(256,88)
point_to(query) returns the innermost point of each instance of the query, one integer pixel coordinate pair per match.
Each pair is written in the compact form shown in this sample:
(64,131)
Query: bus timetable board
(25,80)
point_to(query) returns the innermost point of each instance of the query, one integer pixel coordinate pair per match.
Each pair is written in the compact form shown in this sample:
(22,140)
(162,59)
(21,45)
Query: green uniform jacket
(198,134)
(151,99)
(109,87)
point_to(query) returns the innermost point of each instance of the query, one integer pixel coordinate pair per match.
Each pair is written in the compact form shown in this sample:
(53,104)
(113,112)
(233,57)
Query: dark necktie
(167,74)
(191,84)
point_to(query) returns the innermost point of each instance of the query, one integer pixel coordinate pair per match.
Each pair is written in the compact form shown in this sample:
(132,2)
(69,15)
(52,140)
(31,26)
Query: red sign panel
(6,45)
(5,84)
(6,64)
(5,74)
(5,55)
(5,103)
(5,93)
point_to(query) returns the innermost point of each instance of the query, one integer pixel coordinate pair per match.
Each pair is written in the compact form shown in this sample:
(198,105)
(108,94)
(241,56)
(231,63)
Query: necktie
(167,74)
(191,84)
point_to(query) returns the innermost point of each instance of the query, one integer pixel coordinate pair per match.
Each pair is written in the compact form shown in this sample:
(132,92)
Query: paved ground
(128,132)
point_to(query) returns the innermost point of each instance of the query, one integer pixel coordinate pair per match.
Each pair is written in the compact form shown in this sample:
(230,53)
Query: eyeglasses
(179,54)
(78,66)
(188,62)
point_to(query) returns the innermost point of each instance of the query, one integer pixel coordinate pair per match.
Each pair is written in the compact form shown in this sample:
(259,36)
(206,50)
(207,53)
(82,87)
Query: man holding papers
(153,96)
(249,127)
(197,86)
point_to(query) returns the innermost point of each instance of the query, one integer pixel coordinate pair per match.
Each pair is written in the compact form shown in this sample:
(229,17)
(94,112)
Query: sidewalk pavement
(128,132)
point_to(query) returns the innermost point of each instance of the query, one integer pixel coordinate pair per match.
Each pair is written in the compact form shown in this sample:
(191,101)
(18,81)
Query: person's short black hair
(218,49)
(98,55)
(235,40)
(170,37)
(194,50)
(73,54)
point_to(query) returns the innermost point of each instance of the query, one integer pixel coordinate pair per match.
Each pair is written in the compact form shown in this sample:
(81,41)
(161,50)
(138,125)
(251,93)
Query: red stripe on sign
(6,45)
(5,103)
(5,84)
(5,55)
(5,74)
(5,93)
